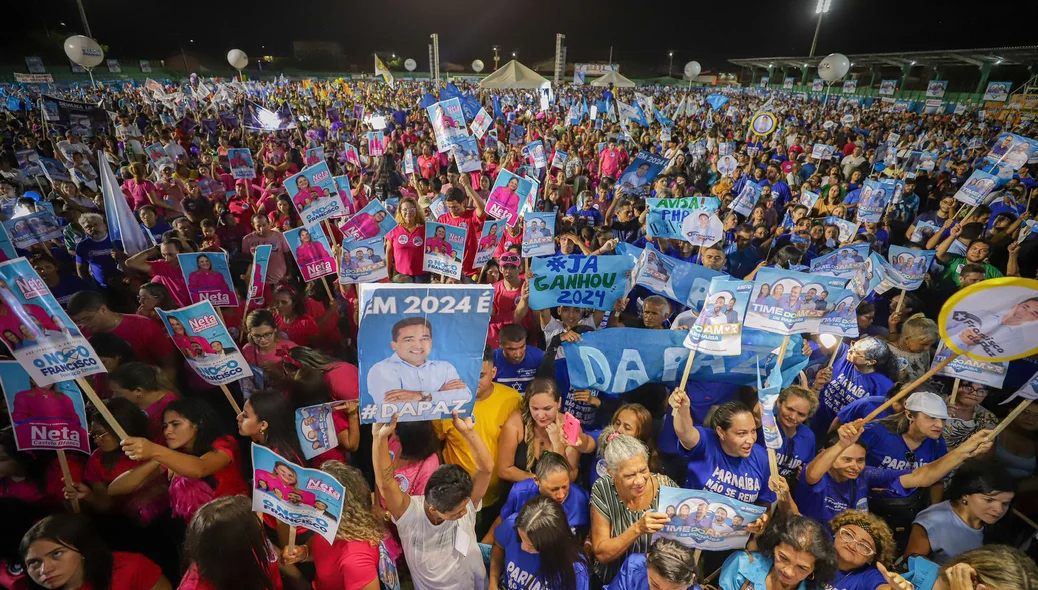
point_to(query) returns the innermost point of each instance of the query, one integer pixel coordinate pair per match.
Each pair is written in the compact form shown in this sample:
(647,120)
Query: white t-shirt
(554,327)
(431,550)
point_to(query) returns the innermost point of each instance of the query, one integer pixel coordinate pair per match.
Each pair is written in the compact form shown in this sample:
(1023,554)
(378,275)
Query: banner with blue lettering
(49,418)
(465,150)
(364,261)
(718,329)
(843,262)
(747,198)
(203,339)
(35,228)
(296,495)
(665,216)
(767,395)
(444,249)
(448,122)
(912,264)
(258,276)
(977,188)
(538,234)
(590,282)
(38,332)
(208,278)
(617,360)
(1012,150)
(704,520)
(241,163)
(373,221)
(790,302)
(314,194)
(989,373)
(421,349)
(636,178)
(315,429)
(310,248)
(873,199)
(493,230)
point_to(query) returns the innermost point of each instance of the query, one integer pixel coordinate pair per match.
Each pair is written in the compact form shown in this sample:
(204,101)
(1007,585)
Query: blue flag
(428,100)
(684,282)
(716,101)
(450,91)
(470,107)
(498,113)
(584,111)
(662,119)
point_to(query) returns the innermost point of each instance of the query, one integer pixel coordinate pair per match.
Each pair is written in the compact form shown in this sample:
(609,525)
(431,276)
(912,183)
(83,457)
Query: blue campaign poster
(842,262)
(7,251)
(747,198)
(50,417)
(704,520)
(645,167)
(241,163)
(466,154)
(665,216)
(363,261)
(421,349)
(977,188)
(789,302)
(718,329)
(448,122)
(312,252)
(589,282)
(873,199)
(444,249)
(314,194)
(208,278)
(200,335)
(296,495)
(315,429)
(1013,151)
(373,221)
(38,332)
(34,228)
(912,264)
(538,234)
(684,282)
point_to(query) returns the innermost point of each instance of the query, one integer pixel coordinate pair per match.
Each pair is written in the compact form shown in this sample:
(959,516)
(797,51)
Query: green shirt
(954,269)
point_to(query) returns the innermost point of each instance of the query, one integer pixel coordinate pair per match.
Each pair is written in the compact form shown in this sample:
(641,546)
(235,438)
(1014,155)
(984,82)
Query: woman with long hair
(793,552)
(61,552)
(289,308)
(405,244)
(667,565)
(795,405)
(148,388)
(265,348)
(227,550)
(268,419)
(163,265)
(152,296)
(313,369)
(352,560)
(313,391)
(284,216)
(538,544)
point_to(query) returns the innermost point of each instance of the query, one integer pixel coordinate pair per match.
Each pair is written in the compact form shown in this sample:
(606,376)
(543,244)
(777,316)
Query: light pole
(820,10)
(82,16)
(670,68)
(497,57)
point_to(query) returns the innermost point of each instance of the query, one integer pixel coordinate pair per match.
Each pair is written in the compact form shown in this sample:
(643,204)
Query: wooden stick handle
(291,538)
(782,353)
(102,408)
(955,391)
(66,474)
(328,290)
(1009,419)
(230,398)
(910,387)
(688,369)
(773,462)
(900,302)
(836,353)
(1024,518)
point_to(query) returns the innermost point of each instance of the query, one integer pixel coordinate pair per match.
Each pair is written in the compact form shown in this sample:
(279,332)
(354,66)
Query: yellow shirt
(490,415)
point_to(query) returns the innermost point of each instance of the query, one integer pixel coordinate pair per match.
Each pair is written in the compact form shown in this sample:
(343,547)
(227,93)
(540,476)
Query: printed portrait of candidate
(409,375)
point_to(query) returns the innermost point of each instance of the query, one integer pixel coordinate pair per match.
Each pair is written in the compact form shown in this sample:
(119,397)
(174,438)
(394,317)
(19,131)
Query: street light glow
(823,6)
(671,54)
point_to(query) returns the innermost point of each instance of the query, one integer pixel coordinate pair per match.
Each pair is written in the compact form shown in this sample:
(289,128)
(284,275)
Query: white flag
(122,226)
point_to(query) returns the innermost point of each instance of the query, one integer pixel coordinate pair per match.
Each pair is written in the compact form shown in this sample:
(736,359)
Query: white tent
(514,75)
(615,79)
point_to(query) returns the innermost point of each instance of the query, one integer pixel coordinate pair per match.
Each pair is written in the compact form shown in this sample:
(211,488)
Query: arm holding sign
(684,427)
(931,473)
(183,464)
(484,462)
(481,206)
(942,249)
(385,479)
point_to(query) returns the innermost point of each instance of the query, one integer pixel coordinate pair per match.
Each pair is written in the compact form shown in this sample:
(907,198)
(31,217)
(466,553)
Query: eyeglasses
(263,336)
(859,547)
(98,434)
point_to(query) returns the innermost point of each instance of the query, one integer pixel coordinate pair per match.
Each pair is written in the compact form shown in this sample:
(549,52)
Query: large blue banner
(593,282)
(665,216)
(641,171)
(684,282)
(617,360)
(421,349)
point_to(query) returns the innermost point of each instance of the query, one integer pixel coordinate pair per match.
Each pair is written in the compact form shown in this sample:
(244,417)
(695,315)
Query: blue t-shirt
(575,505)
(858,409)
(161,226)
(742,263)
(796,450)
(98,254)
(827,498)
(848,384)
(711,469)
(596,218)
(634,575)
(68,285)
(521,567)
(889,450)
(518,376)
(585,412)
(863,578)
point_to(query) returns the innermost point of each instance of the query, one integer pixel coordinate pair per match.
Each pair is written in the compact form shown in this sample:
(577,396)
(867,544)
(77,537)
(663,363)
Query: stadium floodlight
(823,6)
(820,10)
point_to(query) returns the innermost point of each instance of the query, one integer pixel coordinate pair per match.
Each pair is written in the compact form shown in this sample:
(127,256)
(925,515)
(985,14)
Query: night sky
(707,31)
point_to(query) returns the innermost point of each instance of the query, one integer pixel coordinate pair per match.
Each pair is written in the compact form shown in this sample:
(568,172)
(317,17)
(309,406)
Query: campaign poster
(991,374)
(702,228)
(493,230)
(976,188)
(241,163)
(54,170)
(764,81)
(145,66)
(789,302)
(538,235)
(675,279)
(817,85)
(538,157)
(38,332)
(351,154)
(850,86)
(665,216)
(466,154)
(747,198)
(295,495)
(840,308)
(342,185)
(509,195)
(7,248)
(208,278)
(993,320)
(704,520)
(50,417)
(29,163)
(421,349)
(787,83)
(444,249)
(638,175)
(34,228)
(448,122)
(376,143)
(558,160)
(936,88)
(727,164)
(314,155)
(873,199)
(373,221)
(809,199)
(314,194)
(315,428)
(718,328)
(409,161)
(821,151)
(997,91)
(363,261)
(1012,150)
(912,264)
(847,228)
(842,262)
(258,276)
(589,282)
(887,87)
(199,333)
(481,122)
(310,248)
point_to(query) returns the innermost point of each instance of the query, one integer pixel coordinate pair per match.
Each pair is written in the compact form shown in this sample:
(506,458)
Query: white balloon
(834,67)
(692,69)
(237,59)
(477,66)
(83,51)
(410,64)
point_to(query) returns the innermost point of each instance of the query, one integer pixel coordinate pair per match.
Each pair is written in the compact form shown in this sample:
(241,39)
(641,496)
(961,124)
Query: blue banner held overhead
(666,216)
(428,100)
(716,101)
(590,282)
(684,282)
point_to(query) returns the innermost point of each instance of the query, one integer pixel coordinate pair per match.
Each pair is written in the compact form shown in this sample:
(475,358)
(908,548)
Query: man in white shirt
(172,148)
(72,145)
(130,135)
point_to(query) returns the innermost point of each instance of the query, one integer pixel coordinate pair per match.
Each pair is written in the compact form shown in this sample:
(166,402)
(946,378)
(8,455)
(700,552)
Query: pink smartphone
(571,428)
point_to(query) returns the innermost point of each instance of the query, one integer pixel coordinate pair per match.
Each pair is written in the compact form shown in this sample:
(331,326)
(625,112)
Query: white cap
(928,403)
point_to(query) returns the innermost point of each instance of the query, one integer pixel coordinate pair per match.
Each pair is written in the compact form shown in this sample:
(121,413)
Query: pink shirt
(408,249)
(342,381)
(138,191)
(344,565)
(173,278)
(203,282)
(610,162)
(277,266)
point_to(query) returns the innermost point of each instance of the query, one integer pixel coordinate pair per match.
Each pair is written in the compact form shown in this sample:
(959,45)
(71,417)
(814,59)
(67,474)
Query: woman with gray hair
(625,504)
(668,564)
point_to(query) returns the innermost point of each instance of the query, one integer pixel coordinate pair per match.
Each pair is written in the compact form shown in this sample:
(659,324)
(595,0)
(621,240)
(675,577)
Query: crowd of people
(921,498)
